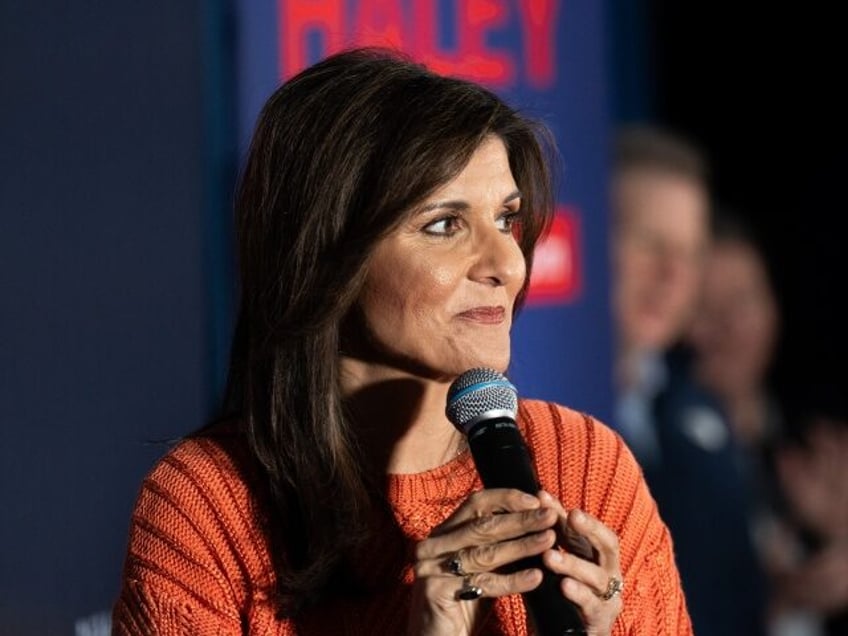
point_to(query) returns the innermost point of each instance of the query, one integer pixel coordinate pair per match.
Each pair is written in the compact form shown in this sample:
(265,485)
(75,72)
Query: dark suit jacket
(702,497)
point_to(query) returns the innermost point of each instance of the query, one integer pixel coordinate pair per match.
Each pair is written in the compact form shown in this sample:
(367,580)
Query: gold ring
(614,587)
(455,565)
(468,592)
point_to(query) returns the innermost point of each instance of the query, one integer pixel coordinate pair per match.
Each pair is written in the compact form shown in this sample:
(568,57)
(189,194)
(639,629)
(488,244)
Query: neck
(400,418)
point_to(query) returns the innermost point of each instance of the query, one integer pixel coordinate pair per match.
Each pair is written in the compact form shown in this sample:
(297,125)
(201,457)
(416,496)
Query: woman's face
(440,289)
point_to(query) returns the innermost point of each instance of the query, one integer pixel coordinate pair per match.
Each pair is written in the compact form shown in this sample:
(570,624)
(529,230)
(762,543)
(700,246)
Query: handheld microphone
(483,404)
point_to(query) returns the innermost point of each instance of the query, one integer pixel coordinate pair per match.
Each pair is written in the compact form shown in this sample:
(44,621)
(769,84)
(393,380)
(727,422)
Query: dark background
(104,340)
(761,90)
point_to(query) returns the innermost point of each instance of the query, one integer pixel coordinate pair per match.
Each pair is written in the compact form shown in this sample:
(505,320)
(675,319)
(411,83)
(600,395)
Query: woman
(386,221)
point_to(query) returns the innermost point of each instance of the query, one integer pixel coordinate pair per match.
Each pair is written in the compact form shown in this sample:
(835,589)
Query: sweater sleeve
(657,604)
(653,600)
(591,468)
(187,561)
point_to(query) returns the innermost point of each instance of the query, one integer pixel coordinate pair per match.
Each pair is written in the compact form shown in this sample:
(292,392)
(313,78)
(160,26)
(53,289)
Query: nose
(497,259)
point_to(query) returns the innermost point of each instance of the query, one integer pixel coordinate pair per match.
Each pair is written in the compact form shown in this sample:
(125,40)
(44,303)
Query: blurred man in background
(660,228)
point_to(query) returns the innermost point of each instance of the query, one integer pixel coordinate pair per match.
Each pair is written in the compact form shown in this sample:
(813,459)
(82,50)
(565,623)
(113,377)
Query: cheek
(408,298)
(755,337)
(437,279)
(637,272)
(430,296)
(381,299)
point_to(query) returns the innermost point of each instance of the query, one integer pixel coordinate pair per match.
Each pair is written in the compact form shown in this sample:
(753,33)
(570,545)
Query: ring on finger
(614,587)
(454,565)
(468,592)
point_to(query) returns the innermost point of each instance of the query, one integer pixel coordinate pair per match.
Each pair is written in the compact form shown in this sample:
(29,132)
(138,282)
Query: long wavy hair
(340,153)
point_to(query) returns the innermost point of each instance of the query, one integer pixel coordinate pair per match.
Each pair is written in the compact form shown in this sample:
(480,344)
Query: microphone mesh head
(478,392)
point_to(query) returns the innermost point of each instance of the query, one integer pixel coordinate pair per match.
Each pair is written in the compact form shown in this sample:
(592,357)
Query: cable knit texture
(198,560)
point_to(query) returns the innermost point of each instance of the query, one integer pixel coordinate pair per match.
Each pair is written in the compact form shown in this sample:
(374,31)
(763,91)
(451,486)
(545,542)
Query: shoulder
(553,428)
(576,448)
(197,551)
(204,472)
(197,516)
(588,465)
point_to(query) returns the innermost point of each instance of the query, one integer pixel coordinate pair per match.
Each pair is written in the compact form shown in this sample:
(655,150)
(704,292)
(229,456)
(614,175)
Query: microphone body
(482,404)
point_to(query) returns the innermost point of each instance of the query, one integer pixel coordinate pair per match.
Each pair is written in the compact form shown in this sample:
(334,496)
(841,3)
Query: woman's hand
(494,528)
(592,581)
(490,529)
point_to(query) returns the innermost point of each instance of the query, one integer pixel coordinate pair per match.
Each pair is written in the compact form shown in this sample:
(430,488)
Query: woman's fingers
(495,585)
(487,517)
(484,503)
(604,540)
(492,556)
(465,556)
(486,551)
(500,527)
(570,539)
(590,567)
(599,614)
(578,569)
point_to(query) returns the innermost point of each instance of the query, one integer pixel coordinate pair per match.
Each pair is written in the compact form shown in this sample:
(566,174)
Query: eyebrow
(458,204)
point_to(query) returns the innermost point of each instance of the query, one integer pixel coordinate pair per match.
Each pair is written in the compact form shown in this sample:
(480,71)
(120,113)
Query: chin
(653,334)
(462,358)
(497,361)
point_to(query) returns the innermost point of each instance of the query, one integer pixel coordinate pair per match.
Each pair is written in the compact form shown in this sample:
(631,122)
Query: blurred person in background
(735,329)
(734,336)
(660,229)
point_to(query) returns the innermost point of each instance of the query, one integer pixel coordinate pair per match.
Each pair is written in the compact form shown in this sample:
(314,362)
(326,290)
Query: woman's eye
(442,227)
(508,221)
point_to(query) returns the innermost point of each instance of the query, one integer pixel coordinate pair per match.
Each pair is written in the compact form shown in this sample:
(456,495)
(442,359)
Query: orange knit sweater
(198,561)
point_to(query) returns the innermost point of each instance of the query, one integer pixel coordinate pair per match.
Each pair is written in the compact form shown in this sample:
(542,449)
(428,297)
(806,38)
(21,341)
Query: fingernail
(528,499)
(577,515)
(544,495)
(540,537)
(556,557)
(529,575)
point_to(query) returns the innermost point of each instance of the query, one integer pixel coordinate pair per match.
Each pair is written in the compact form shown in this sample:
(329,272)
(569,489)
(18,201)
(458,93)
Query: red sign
(557,276)
(413,26)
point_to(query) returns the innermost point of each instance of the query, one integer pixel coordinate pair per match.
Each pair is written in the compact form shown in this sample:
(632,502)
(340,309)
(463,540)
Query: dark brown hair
(651,147)
(339,154)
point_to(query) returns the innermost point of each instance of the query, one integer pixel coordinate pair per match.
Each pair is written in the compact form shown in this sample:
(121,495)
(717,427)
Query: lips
(485,315)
